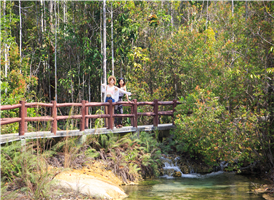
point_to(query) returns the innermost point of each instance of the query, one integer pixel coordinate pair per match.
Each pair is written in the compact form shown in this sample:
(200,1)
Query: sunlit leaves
(211,131)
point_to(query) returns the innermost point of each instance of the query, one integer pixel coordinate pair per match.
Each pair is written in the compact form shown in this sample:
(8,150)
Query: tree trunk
(79,79)
(6,62)
(232,7)
(51,18)
(101,36)
(55,51)
(42,17)
(104,44)
(89,100)
(171,15)
(6,47)
(206,13)
(64,12)
(20,48)
(45,22)
(112,46)
(246,10)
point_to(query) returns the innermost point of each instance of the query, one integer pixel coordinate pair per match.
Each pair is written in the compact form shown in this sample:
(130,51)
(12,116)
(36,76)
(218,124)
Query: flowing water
(216,185)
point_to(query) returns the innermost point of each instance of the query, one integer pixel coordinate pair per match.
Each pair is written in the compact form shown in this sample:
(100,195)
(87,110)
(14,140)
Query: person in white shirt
(112,92)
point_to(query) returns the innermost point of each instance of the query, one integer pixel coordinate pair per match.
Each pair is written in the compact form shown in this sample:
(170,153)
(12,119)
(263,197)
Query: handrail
(33,105)
(9,107)
(84,116)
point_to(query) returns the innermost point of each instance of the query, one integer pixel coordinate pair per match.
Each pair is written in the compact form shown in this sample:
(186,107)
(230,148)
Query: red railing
(23,119)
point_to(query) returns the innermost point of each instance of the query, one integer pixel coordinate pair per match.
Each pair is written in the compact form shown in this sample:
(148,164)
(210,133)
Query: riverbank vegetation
(216,58)
(28,171)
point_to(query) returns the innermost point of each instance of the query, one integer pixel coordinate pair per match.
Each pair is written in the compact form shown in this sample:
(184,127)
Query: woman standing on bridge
(122,86)
(112,92)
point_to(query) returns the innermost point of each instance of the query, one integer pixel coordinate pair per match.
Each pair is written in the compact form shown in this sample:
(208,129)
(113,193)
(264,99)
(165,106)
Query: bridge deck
(47,134)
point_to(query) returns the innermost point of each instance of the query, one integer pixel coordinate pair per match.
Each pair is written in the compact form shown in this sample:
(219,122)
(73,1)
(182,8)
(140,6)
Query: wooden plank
(111,119)
(145,103)
(9,107)
(4,121)
(22,116)
(156,117)
(132,119)
(146,114)
(123,115)
(175,102)
(94,104)
(54,116)
(98,116)
(35,104)
(135,113)
(69,117)
(165,102)
(59,105)
(123,103)
(26,123)
(83,118)
(166,113)
(71,133)
(43,118)
(86,123)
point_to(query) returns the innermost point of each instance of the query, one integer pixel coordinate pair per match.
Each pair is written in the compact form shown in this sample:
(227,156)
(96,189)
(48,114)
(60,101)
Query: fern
(99,122)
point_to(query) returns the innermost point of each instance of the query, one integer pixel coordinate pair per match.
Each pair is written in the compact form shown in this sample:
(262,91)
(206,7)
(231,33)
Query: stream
(216,185)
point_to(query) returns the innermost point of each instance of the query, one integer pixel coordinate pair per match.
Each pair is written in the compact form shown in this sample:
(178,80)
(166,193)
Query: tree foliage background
(215,57)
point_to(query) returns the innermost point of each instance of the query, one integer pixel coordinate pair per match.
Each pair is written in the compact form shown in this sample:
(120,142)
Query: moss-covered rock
(177,174)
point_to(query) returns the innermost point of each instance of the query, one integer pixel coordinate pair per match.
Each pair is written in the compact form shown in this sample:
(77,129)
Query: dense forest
(216,57)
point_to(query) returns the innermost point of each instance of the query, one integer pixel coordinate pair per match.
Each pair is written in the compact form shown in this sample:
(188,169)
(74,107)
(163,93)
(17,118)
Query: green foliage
(10,155)
(27,169)
(130,155)
(92,153)
(99,123)
(215,134)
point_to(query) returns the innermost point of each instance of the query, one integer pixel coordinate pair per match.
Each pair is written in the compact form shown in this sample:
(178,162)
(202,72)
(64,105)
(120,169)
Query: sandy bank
(93,181)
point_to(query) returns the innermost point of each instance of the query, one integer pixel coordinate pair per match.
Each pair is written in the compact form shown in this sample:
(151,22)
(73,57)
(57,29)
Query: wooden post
(26,123)
(22,116)
(83,112)
(156,117)
(86,118)
(54,115)
(110,111)
(132,112)
(174,105)
(135,113)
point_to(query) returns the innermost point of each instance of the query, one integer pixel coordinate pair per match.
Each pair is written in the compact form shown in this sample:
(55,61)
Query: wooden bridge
(84,116)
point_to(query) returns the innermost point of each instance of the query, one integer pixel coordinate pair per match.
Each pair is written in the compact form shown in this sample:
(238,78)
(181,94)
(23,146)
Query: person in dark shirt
(119,108)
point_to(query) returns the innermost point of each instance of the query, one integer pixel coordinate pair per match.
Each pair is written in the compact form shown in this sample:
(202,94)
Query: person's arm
(103,88)
(126,94)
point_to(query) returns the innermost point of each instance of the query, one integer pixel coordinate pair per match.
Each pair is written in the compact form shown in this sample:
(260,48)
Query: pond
(217,185)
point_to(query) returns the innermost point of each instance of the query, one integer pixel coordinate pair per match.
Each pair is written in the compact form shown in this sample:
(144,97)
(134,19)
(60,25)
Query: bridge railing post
(22,116)
(26,123)
(156,116)
(132,112)
(87,124)
(54,116)
(110,111)
(135,113)
(83,118)
(174,106)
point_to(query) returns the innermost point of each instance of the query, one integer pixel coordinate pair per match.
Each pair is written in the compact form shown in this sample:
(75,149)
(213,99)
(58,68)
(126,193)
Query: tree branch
(264,39)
